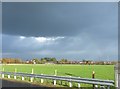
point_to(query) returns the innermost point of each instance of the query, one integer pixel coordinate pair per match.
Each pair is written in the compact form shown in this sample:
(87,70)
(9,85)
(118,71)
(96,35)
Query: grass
(84,71)
(105,72)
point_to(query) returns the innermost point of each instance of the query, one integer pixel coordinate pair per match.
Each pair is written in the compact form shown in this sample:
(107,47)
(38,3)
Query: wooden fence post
(15,73)
(54,82)
(55,75)
(3,74)
(23,78)
(70,83)
(42,79)
(8,76)
(31,79)
(93,76)
(55,72)
(79,84)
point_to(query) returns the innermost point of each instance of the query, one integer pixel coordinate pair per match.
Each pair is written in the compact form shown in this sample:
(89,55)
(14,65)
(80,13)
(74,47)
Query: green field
(84,71)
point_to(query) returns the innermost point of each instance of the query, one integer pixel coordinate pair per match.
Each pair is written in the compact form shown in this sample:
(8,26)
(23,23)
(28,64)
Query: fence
(96,82)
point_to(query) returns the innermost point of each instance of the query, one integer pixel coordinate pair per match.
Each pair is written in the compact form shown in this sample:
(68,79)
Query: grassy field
(84,71)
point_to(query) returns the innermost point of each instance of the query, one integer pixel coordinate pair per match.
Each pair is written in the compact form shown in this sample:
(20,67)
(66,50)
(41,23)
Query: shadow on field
(70,74)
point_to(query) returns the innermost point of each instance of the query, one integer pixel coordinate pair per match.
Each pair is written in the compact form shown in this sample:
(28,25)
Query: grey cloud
(56,19)
(77,47)
(15,44)
(90,30)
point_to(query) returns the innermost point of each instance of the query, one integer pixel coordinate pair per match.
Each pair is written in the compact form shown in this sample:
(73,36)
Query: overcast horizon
(74,31)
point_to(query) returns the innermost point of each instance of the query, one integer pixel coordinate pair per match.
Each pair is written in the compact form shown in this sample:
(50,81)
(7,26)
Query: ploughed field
(84,71)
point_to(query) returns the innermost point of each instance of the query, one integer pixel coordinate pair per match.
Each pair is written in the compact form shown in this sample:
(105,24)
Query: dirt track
(12,84)
(7,83)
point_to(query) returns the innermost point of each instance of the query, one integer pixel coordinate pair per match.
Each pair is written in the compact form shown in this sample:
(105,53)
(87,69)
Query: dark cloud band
(56,19)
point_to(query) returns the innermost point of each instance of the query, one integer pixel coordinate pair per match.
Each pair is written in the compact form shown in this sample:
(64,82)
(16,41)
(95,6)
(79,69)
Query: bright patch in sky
(45,39)
(42,39)
(22,37)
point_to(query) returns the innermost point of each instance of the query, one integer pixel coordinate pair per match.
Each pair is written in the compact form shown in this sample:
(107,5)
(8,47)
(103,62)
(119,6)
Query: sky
(75,31)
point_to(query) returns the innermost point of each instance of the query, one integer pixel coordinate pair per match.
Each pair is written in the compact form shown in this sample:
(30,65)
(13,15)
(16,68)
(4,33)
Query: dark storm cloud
(55,19)
(62,30)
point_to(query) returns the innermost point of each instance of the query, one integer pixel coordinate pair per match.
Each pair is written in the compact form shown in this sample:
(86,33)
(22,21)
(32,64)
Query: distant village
(47,60)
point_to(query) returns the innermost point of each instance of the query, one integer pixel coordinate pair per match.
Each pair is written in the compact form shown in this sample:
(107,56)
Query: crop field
(83,71)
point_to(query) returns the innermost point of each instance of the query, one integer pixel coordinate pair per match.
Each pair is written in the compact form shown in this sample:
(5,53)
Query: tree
(63,61)
(36,60)
(11,60)
(53,60)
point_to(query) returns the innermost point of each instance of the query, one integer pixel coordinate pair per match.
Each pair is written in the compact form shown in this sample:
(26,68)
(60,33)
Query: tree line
(52,61)
(11,60)
(31,61)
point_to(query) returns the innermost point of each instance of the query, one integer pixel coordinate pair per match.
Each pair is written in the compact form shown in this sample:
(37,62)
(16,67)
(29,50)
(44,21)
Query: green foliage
(46,59)
(11,60)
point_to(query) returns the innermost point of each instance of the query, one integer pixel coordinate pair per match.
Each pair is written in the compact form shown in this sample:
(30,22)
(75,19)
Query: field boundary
(96,82)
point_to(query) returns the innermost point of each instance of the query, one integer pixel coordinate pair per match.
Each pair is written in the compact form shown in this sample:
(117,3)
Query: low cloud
(74,48)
